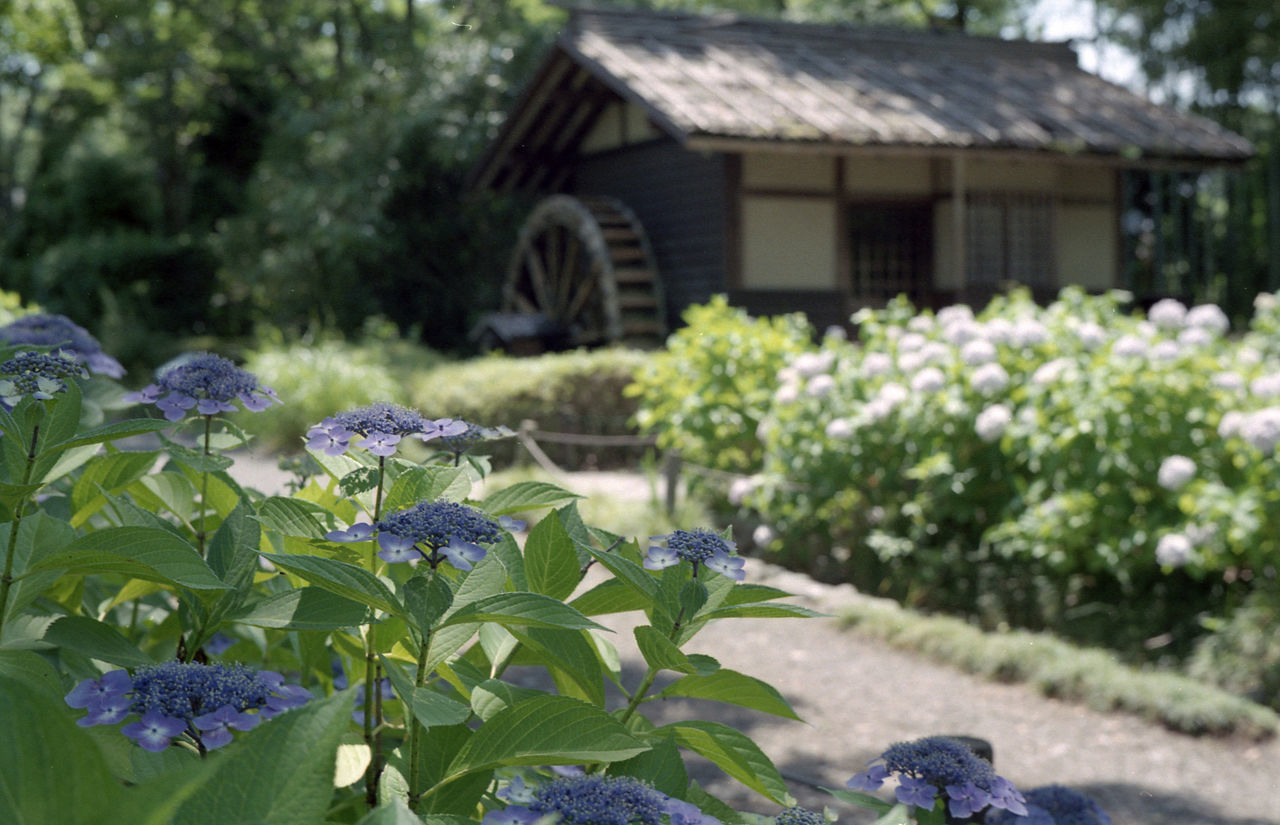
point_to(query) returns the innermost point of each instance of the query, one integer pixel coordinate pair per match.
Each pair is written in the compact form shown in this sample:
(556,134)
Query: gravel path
(859,695)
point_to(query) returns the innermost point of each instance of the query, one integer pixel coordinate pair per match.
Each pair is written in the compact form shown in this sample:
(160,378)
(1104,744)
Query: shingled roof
(711,82)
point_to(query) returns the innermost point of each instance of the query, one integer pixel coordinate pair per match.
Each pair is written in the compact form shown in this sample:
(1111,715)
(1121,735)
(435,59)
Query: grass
(1066,671)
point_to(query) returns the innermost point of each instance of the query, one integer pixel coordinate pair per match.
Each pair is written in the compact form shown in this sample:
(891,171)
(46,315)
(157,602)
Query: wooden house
(815,167)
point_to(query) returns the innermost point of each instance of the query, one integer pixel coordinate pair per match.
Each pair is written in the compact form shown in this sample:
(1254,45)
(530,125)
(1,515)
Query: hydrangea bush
(1036,464)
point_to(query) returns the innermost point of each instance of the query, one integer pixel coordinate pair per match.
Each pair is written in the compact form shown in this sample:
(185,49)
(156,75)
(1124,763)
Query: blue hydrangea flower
(205,702)
(380,428)
(66,337)
(36,374)
(1053,805)
(591,800)
(680,812)
(434,530)
(938,766)
(698,547)
(206,382)
(796,815)
(466,435)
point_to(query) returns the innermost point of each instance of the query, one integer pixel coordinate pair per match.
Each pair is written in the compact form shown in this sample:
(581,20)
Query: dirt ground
(859,695)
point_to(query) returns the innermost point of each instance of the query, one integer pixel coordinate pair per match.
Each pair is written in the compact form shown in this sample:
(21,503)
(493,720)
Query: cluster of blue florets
(698,547)
(796,815)
(594,800)
(939,766)
(66,337)
(204,702)
(1054,805)
(206,382)
(432,530)
(380,428)
(36,374)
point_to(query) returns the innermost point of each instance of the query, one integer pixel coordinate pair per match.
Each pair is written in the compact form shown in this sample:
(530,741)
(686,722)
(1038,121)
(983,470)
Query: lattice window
(1010,238)
(891,251)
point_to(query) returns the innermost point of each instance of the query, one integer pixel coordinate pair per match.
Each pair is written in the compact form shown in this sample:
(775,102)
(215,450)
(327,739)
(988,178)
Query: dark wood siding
(679,198)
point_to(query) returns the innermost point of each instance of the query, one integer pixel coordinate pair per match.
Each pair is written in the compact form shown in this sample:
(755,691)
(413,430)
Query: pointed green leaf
(521,610)
(139,552)
(661,766)
(307,608)
(431,483)
(115,431)
(610,596)
(347,580)
(733,688)
(635,576)
(569,657)
(280,773)
(550,560)
(392,812)
(734,752)
(862,800)
(95,640)
(547,730)
(32,668)
(294,517)
(440,746)
(527,495)
(50,770)
(762,610)
(493,695)
(487,578)
(430,707)
(427,598)
(660,653)
(39,535)
(165,491)
(111,473)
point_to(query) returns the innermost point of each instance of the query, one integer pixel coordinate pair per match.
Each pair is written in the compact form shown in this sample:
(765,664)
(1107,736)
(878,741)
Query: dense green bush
(1070,466)
(572,392)
(706,394)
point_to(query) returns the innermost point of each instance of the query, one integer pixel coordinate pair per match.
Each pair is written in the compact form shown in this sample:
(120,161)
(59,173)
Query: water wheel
(585,265)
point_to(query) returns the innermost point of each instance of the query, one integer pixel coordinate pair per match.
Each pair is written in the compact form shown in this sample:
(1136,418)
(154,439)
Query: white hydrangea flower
(809,364)
(1129,346)
(1168,313)
(998,331)
(954,313)
(1266,300)
(920,323)
(1232,381)
(876,363)
(929,379)
(894,393)
(1028,332)
(909,362)
(1231,424)
(1195,337)
(839,429)
(1166,351)
(1266,386)
(820,386)
(1091,335)
(1173,550)
(1201,534)
(936,352)
(911,342)
(788,375)
(992,422)
(961,331)
(1175,471)
(1050,372)
(1248,356)
(786,394)
(877,409)
(1262,429)
(989,378)
(763,535)
(978,351)
(1208,317)
(836,333)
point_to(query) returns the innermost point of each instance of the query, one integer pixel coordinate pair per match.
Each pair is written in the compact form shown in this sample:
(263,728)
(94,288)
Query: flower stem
(201,533)
(6,581)
(649,675)
(372,704)
(415,729)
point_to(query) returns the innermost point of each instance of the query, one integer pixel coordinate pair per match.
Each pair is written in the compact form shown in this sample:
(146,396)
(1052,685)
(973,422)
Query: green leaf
(635,576)
(280,773)
(550,560)
(39,535)
(732,751)
(50,770)
(233,550)
(427,598)
(111,473)
(569,657)
(60,423)
(430,483)
(430,707)
(294,517)
(31,668)
(527,495)
(138,552)
(661,766)
(95,640)
(196,459)
(546,730)
(610,596)
(487,578)
(168,491)
(734,688)
(521,610)
(661,653)
(346,580)
(862,800)
(440,746)
(762,610)
(307,608)
(392,812)
(115,431)
(493,695)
